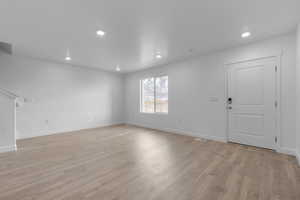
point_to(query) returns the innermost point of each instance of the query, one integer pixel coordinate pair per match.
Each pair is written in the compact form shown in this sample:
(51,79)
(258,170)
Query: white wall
(193,82)
(61,97)
(7,123)
(298,94)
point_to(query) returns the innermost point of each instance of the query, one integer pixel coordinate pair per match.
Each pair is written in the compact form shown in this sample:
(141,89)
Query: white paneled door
(251,103)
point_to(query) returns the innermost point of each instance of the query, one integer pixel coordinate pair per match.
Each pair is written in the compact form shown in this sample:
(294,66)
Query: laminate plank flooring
(132,163)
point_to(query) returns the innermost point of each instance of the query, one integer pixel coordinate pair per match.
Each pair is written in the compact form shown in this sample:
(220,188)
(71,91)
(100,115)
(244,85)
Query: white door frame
(277,58)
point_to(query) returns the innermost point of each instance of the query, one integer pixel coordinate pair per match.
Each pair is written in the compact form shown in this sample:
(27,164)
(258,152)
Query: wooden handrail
(9,93)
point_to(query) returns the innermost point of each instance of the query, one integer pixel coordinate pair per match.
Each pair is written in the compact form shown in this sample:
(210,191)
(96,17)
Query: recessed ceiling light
(68,58)
(118,69)
(246,34)
(100,33)
(158,56)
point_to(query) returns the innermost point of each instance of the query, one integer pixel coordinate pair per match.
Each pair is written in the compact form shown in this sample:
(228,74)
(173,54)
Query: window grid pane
(148,95)
(161,94)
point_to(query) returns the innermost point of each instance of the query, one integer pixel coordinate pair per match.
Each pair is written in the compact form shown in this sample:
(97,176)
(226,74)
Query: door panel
(252,117)
(249,124)
(249,85)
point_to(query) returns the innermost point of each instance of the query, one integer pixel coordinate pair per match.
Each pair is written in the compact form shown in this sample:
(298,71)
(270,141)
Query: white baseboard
(182,132)
(8,148)
(287,151)
(69,130)
(282,150)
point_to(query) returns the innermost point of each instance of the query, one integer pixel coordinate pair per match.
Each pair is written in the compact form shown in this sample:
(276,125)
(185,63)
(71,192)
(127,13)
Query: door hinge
(276,104)
(276,68)
(276,139)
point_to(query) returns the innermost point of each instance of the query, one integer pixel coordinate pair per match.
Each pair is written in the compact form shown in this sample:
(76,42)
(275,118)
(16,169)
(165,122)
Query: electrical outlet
(213,99)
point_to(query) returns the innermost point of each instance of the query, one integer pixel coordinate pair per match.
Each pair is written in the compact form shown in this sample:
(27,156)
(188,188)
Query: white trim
(225,103)
(275,55)
(287,151)
(71,130)
(181,132)
(154,113)
(277,58)
(8,148)
(282,150)
(297,154)
(278,99)
(8,94)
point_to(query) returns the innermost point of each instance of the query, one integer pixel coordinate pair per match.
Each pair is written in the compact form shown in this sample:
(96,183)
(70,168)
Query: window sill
(156,113)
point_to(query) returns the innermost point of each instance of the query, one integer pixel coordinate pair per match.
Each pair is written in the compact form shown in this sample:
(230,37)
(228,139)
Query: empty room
(150,100)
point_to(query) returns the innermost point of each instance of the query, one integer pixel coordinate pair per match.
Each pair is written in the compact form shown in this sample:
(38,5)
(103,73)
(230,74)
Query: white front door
(252,103)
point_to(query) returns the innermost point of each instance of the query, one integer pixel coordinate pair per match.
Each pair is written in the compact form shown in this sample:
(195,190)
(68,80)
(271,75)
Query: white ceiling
(137,29)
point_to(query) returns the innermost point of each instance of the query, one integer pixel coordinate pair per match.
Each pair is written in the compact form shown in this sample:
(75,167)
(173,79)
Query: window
(148,95)
(161,89)
(154,95)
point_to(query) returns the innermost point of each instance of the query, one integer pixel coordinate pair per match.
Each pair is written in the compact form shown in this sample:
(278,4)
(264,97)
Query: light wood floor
(131,163)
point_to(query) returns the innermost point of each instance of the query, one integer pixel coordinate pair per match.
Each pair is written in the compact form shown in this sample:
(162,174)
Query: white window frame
(141,95)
